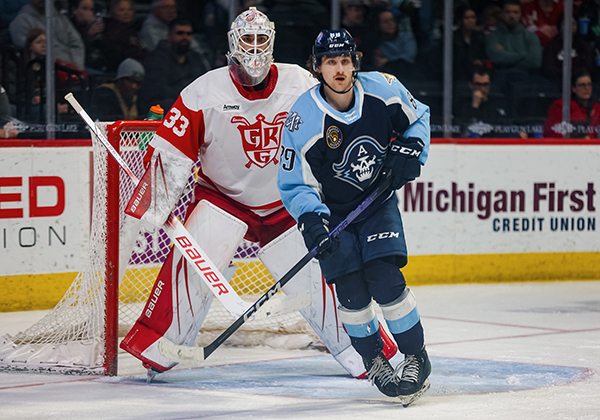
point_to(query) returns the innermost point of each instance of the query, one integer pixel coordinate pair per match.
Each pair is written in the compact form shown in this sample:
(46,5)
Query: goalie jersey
(234,132)
(331,159)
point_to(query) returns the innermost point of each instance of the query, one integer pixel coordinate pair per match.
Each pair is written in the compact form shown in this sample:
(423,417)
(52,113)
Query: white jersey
(235,133)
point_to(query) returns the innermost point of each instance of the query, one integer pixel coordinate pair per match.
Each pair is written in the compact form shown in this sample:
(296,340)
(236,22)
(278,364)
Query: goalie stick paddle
(178,234)
(185,354)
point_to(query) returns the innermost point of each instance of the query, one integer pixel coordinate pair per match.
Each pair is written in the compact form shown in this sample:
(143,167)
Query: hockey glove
(315,230)
(403,160)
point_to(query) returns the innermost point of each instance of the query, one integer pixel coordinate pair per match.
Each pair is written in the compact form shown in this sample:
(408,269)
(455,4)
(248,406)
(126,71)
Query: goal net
(80,335)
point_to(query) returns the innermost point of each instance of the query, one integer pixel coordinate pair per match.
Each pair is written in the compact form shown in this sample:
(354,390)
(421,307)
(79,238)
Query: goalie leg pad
(282,254)
(180,300)
(403,320)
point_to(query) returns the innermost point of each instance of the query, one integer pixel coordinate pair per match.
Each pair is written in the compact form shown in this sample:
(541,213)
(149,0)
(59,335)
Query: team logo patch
(334,137)
(261,140)
(361,163)
(293,121)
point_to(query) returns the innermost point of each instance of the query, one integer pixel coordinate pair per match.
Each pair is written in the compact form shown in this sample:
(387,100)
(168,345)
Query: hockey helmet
(249,62)
(335,44)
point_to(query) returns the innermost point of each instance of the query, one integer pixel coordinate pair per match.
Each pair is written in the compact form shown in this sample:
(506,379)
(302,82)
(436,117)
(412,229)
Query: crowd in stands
(120,57)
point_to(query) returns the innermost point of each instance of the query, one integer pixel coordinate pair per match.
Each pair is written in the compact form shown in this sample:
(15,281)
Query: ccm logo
(382,235)
(405,150)
(154,298)
(52,186)
(199,260)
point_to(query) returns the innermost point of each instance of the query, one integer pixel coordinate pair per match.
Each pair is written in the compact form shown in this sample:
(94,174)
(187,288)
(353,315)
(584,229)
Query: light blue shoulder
(304,120)
(383,85)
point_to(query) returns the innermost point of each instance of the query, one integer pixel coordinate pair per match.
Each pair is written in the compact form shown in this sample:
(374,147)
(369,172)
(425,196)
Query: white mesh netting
(70,338)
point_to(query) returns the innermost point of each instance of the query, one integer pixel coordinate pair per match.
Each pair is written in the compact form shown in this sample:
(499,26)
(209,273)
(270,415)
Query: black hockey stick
(180,353)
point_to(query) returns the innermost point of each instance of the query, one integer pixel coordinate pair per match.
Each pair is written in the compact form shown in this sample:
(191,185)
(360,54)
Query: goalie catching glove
(315,231)
(403,161)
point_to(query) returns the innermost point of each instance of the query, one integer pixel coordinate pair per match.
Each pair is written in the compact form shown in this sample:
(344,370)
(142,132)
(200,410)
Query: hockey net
(80,335)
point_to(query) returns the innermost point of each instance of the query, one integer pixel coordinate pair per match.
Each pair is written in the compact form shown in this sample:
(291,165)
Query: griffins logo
(361,163)
(262,139)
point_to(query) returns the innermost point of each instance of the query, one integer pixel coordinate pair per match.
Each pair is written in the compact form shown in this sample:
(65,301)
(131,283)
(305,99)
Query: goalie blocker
(179,301)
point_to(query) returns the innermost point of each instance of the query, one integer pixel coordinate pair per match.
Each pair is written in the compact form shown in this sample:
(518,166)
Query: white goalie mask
(251,40)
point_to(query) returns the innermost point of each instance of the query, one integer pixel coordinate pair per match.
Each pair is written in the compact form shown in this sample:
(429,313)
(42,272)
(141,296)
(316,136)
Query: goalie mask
(251,41)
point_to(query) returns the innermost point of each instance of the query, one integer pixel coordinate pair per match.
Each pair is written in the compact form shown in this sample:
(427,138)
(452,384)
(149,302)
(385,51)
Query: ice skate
(414,380)
(382,374)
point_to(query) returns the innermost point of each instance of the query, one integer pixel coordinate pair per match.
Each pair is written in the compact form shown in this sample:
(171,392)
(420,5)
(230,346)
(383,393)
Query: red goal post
(81,334)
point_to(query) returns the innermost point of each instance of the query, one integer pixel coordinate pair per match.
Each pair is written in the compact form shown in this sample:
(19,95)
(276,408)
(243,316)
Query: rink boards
(493,210)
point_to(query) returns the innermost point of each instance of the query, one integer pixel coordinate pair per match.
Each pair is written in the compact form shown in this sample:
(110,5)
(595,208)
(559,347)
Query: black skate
(382,374)
(414,380)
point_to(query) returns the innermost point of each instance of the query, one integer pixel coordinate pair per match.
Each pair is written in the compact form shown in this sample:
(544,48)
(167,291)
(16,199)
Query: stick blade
(180,354)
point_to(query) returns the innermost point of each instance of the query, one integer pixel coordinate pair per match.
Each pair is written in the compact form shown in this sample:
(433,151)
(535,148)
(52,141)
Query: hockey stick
(180,354)
(178,234)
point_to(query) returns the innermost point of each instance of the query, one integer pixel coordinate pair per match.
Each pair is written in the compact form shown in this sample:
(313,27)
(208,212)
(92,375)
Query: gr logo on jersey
(262,139)
(361,162)
(334,137)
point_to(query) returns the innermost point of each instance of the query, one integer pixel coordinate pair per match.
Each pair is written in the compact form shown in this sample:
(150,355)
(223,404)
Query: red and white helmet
(253,58)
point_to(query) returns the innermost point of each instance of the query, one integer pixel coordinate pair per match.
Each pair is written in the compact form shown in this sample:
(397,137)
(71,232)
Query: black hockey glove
(315,230)
(403,160)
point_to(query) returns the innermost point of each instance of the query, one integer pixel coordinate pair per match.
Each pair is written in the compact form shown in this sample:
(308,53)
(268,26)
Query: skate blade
(406,400)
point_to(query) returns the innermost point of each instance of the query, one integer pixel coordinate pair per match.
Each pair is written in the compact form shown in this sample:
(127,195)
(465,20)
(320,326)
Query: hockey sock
(404,322)
(363,328)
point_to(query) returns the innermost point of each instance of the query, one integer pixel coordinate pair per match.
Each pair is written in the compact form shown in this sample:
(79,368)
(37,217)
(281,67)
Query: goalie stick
(184,354)
(177,233)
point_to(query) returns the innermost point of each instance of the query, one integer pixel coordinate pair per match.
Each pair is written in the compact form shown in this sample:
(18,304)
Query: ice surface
(499,351)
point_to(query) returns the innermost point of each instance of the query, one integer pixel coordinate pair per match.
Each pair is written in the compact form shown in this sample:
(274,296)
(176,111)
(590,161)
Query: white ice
(499,351)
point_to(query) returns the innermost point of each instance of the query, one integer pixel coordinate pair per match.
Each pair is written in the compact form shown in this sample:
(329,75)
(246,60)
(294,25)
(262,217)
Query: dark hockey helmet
(335,44)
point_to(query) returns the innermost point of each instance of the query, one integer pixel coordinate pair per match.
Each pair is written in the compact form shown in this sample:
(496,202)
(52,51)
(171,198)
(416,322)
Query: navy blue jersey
(330,159)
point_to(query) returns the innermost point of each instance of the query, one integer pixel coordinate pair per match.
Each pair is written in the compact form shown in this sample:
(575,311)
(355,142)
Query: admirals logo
(293,121)
(361,163)
(262,139)
(334,137)
(388,77)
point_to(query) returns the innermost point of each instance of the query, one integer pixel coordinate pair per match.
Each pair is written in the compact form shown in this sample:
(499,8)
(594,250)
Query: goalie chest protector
(235,133)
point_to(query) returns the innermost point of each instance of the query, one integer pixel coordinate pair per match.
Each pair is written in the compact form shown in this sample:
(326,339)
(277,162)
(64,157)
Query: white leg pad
(279,256)
(179,308)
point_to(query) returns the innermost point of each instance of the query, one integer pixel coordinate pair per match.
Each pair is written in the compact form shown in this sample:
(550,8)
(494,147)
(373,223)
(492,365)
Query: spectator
(156,25)
(68,45)
(541,17)
(513,50)
(582,56)
(9,10)
(585,112)
(491,16)
(117,100)
(354,19)
(7,131)
(171,67)
(90,28)
(469,45)
(396,52)
(121,36)
(481,107)
(34,59)
(591,10)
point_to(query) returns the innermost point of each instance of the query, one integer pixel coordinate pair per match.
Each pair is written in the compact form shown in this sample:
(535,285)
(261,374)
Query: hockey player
(231,119)
(341,138)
